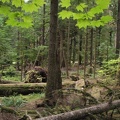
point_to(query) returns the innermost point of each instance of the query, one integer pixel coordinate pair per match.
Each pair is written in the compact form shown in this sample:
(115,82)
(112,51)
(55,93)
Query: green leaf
(78,16)
(12,22)
(82,23)
(30,7)
(27,19)
(5,10)
(65,3)
(106,19)
(25,24)
(103,5)
(91,14)
(39,2)
(95,10)
(81,7)
(5,1)
(17,3)
(96,23)
(65,14)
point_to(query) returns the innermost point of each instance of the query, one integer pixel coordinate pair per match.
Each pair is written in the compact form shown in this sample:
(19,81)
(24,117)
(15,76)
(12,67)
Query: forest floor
(96,89)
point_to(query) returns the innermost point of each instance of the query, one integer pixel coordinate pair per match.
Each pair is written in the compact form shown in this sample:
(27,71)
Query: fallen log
(25,88)
(21,88)
(78,114)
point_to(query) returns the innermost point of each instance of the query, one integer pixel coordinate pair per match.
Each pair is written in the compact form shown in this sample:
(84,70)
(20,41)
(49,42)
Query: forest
(60,60)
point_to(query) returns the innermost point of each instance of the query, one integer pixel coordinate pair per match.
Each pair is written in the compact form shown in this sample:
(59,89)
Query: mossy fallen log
(25,88)
(21,88)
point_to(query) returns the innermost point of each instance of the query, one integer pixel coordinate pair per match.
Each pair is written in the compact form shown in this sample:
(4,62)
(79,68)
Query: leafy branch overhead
(84,15)
(20,15)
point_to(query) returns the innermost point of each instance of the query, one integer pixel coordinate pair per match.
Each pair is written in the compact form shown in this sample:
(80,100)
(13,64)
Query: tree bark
(91,51)
(118,31)
(52,82)
(77,114)
(80,49)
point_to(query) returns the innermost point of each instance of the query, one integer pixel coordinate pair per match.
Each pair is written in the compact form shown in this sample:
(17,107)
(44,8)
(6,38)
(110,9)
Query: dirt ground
(31,106)
(8,116)
(27,107)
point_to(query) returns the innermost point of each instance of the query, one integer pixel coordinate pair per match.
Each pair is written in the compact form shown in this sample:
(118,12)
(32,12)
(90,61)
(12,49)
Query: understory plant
(13,101)
(109,68)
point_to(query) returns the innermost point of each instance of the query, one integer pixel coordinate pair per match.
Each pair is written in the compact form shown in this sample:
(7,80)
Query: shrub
(109,68)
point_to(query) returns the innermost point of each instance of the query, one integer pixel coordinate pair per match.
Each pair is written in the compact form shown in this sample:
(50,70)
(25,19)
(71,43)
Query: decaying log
(78,114)
(21,88)
(25,88)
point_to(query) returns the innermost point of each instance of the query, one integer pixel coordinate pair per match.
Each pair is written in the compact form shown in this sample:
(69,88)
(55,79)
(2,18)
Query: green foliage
(43,50)
(86,16)
(33,96)
(109,68)
(81,7)
(20,100)
(19,12)
(10,71)
(13,101)
(65,3)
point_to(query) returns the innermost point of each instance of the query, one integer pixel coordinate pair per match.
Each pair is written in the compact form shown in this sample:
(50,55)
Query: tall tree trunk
(53,69)
(118,42)
(68,46)
(118,30)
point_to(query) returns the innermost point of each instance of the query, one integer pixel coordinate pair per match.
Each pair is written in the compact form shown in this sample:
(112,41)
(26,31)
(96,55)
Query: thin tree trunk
(74,49)
(95,52)
(80,49)
(78,54)
(66,63)
(43,27)
(107,56)
(85,53)
(68,46)
(82,113)
(18,50)
(110,33)
(91,52)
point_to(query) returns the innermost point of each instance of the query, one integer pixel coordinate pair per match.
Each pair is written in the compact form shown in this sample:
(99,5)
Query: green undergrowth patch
(14,78)
(20,100)
(33,96)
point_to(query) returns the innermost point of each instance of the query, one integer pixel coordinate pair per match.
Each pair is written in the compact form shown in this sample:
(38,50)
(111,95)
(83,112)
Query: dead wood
(78,114)
(25,88)
(21,88)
